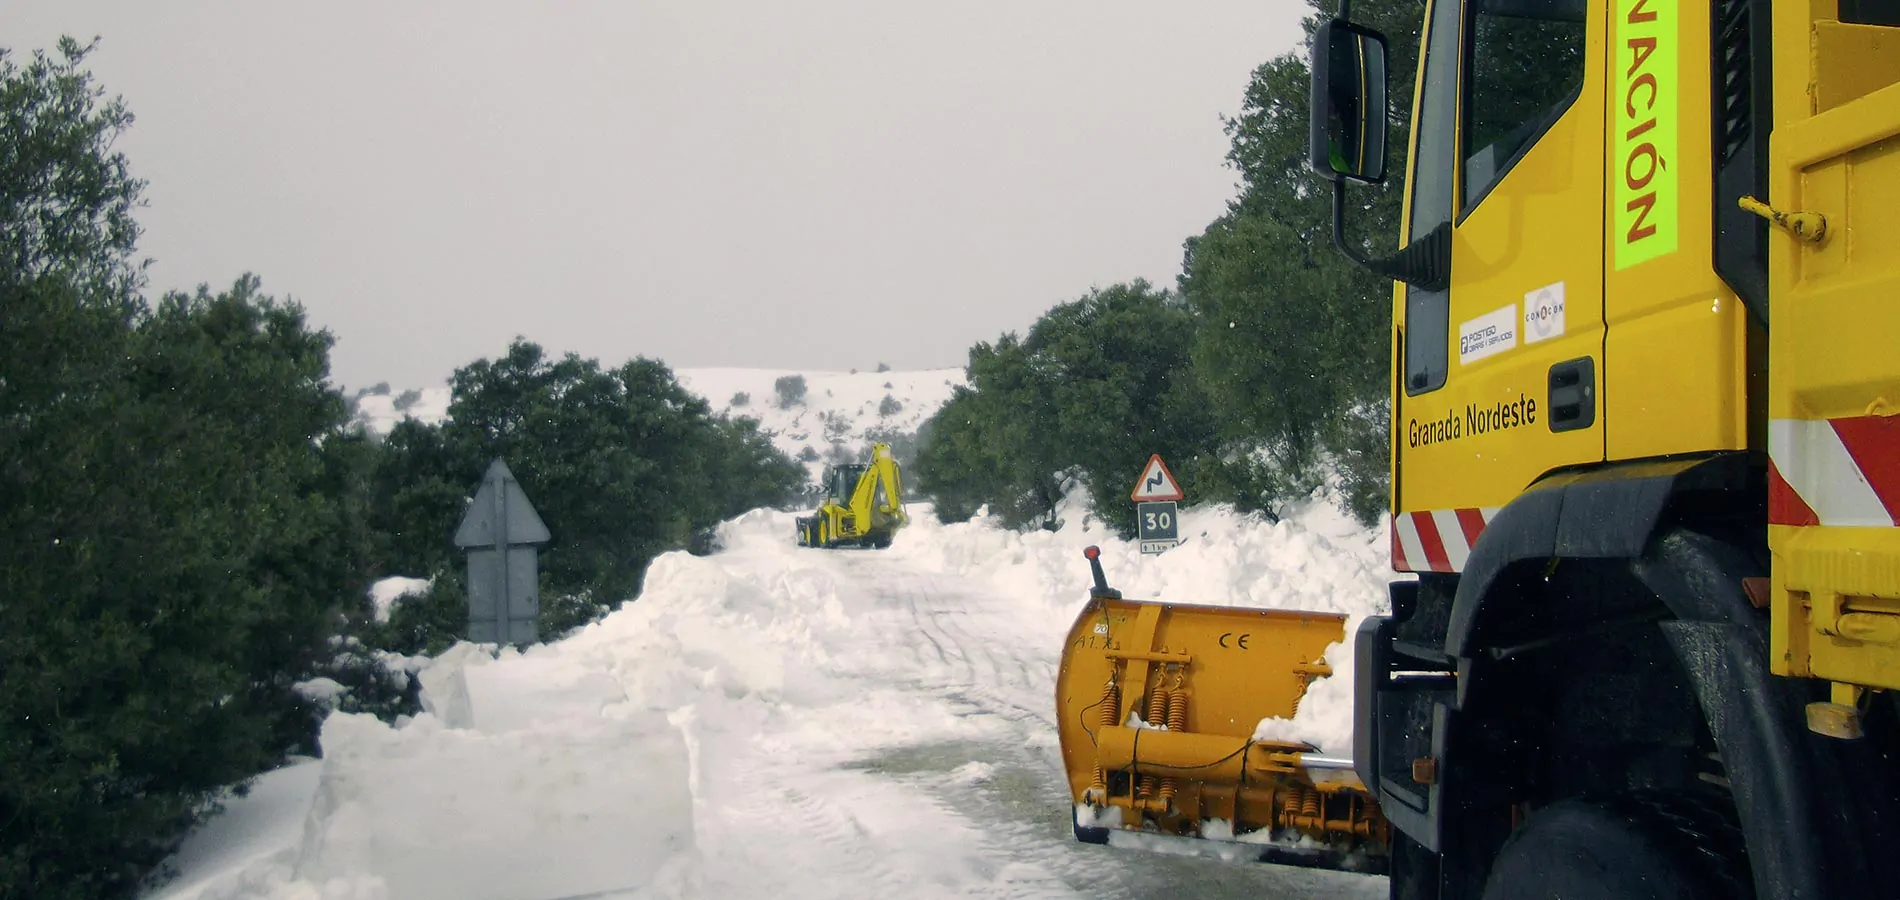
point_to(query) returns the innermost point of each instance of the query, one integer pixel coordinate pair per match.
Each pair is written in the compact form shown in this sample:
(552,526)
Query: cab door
(1500,375)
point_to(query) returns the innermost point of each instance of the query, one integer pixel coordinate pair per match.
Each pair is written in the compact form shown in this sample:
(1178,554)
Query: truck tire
(1631,847)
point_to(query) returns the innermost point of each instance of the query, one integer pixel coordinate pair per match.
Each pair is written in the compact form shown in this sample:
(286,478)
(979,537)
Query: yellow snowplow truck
(1646,447)
(863,505)
(1158,705)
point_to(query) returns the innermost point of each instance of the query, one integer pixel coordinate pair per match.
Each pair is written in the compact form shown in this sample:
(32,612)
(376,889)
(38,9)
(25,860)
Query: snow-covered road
(773,722)
(982,811)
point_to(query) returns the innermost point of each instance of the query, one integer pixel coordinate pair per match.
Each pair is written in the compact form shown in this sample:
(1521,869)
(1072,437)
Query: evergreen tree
(66,197)
(178,552)
(623,464)
(175,498)
(1097,386)
(1295,343)
(790,390)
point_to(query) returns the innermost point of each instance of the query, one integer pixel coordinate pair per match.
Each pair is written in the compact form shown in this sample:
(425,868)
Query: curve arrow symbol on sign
(1156,483)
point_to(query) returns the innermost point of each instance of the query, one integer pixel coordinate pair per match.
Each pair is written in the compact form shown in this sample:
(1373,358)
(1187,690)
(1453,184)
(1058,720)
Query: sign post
(500,532)
(1155,495)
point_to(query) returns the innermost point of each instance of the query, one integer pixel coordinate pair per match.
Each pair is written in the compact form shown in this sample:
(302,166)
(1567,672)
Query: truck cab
(1645,445)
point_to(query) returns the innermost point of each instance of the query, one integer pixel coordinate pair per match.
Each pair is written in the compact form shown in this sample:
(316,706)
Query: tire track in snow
(919,631)
(790,842)
(937,611)
(914,600)
(902,598)
(1017,696)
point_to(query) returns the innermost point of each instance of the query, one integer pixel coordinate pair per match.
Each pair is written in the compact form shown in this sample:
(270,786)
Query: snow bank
(249,837)
(435,813)
(717,732)
(529,777)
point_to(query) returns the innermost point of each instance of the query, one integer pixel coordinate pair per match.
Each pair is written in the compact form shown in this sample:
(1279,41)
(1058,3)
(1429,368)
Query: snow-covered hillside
(839,413)
(771,721)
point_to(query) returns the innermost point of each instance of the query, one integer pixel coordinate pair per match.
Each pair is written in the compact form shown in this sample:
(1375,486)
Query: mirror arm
(1424,263)
(1339,228)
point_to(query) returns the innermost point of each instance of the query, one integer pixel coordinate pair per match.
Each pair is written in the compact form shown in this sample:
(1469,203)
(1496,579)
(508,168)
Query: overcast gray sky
(814,184)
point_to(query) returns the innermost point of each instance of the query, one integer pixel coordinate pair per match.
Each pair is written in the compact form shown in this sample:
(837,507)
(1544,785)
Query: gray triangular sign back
(479,524)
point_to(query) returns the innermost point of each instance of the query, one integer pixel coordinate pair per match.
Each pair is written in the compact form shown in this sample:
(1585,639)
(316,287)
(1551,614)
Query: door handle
(1573,394)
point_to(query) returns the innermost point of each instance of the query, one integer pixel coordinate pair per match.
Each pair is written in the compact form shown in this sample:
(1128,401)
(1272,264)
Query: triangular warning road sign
(1156,483)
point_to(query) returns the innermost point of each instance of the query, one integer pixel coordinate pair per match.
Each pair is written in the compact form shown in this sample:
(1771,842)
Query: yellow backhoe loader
(1645,453)
(863,505)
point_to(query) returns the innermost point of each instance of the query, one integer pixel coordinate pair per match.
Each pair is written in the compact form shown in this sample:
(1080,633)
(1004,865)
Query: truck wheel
(1632,847)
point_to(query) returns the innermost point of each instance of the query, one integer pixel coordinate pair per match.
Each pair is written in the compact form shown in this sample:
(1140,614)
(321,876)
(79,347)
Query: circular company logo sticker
(1544,313)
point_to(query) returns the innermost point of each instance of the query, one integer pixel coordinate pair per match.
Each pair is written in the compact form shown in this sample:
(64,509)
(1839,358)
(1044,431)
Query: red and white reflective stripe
(1438,540)
(1834,471)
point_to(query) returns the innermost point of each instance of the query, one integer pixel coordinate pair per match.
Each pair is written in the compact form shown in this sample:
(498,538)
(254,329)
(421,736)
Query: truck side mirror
(1348,126)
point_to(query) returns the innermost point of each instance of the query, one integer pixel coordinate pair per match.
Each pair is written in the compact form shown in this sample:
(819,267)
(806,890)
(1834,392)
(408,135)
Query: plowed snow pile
(779,722)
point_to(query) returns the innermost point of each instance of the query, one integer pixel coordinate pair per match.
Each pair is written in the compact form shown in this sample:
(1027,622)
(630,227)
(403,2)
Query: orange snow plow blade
(1157,707)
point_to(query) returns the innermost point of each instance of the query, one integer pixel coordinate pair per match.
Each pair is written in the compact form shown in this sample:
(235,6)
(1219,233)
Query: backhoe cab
(863,505)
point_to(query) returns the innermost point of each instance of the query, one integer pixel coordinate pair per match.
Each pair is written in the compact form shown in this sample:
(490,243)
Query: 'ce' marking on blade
(1239,640)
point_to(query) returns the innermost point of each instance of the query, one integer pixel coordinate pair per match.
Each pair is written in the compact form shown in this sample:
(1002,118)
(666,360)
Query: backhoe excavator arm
(879,496)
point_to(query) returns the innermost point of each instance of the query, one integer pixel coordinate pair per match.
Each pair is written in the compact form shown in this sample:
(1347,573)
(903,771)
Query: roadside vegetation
(190,521)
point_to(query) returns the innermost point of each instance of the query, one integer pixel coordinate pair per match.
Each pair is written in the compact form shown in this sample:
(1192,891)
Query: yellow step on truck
(1645,476)
(863,505)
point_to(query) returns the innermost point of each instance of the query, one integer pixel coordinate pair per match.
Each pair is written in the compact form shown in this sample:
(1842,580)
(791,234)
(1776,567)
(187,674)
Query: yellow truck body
(1646,447)
(1834,379)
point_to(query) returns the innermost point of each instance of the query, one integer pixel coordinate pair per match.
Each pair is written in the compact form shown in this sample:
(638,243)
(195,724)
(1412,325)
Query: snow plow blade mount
(1157,707)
